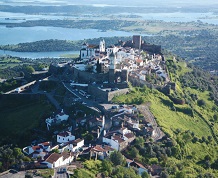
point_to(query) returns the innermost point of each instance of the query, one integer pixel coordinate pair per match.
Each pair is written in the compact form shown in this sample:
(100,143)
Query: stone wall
(97,94)
(82,76)
(104,96)
(140,83)
(117,93)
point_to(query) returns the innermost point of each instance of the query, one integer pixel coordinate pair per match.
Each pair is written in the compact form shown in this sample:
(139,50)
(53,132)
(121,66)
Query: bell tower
(102,46)
(112,68)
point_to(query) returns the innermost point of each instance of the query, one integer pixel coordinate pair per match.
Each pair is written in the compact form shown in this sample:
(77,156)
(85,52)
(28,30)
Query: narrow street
(158,134)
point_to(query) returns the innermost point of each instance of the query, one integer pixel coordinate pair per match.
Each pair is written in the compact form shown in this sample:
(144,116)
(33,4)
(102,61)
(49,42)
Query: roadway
(59,173)
(158,134)
(89,103)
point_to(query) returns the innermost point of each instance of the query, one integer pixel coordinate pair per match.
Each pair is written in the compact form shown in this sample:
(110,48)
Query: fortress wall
(98,94)
(117,93)
(105,96)
(89,77)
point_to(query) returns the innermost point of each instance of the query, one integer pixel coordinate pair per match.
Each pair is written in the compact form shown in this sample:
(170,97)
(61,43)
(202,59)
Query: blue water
(35,55)
(30,34)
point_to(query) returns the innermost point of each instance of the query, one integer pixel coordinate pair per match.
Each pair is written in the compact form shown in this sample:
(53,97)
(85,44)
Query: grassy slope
(171,120)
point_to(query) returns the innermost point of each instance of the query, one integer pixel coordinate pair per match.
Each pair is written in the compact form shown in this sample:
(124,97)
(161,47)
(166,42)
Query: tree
(78,174)
(145,175)
(22,74)
(98,67)
(139,141)
(116,158)
(30,69)
(180,174)
(201,103)
(134,152)
(106,166)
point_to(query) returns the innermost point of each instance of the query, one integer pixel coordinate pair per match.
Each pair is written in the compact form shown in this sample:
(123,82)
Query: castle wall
(82,76)
(100,95)
(117,93)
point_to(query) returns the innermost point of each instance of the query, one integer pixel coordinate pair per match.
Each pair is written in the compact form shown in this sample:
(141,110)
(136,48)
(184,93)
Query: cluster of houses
(68,146)
(123,56)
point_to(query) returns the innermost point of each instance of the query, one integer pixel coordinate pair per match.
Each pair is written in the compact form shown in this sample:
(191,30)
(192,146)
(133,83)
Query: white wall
(115,145)
(61,139)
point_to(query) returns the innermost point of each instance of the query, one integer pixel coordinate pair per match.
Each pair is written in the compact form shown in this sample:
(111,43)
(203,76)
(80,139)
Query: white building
(75,145)
(62,116)
(56,160)
(65,137)
(42,147)
(59,117)
(112,142)
(119,141)
(89,51)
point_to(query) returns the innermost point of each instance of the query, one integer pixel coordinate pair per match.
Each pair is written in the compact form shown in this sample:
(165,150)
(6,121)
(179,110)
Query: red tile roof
(53,158)
(118,138)
(98,148)
(36,148)
(46,143)
(129,135)
(64,134)
(65,155)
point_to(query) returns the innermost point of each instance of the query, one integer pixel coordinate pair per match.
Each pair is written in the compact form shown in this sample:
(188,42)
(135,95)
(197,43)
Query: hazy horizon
(161,3)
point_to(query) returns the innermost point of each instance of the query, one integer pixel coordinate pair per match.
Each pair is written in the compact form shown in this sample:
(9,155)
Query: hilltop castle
(106,69)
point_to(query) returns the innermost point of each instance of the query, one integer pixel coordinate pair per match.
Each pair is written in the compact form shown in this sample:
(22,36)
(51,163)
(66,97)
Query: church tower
(102,46)
(112,68)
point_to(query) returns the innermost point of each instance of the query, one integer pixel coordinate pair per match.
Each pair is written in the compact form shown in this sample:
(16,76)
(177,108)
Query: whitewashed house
(41,147)
(65,137)
(57,119)
(56,160)
(62,116)
(119,141)
(75,145)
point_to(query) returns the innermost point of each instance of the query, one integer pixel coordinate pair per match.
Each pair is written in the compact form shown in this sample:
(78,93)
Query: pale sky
(113,2)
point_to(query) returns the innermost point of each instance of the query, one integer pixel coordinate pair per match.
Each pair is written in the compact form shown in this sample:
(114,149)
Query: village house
(75,145)
(120,139)
(99,151)
(65,137)
(61,116)
(137,165)
(56,160)
(40,150)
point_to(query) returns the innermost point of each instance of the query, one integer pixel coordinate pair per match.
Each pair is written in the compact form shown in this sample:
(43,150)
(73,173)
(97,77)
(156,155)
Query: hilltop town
(87,123)
(93,80)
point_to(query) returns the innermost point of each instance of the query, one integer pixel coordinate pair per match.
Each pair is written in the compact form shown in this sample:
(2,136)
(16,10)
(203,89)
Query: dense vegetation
(44,45)
(21,120)
(192,126)
(115,167)
(10,155)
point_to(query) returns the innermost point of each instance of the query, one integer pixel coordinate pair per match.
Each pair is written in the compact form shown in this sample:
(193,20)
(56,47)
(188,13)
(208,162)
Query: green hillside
(192,126)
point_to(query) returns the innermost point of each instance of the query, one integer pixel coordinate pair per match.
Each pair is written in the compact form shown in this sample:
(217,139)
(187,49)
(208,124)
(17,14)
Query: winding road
(158,134)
